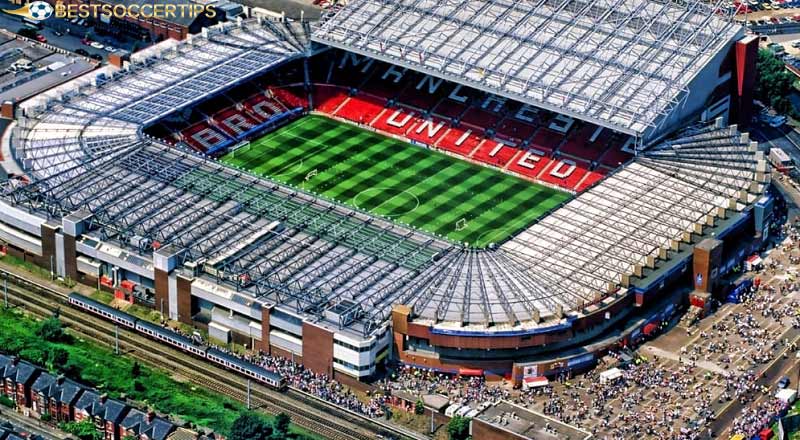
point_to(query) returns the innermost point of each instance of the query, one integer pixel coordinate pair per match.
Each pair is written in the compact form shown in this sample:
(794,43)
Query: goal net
(240,148)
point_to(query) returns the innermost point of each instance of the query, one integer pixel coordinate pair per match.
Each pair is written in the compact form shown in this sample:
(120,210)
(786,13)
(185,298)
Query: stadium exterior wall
(569,345)
(571,348)
(719,70)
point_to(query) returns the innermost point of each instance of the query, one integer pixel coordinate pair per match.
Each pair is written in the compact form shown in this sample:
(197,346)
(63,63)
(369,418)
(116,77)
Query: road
(784,137)
(71,33)
(782,366)
(32,426)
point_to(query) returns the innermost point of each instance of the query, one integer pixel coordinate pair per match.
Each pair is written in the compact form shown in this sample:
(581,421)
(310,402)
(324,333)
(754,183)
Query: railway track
(308,412)
(197,374)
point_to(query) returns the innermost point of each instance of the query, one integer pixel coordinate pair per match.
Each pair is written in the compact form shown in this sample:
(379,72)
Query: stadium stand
(327,269)
(361,108)
(234,121)
(204,138)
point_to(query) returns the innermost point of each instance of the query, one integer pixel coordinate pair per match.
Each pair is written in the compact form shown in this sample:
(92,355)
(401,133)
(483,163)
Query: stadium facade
(93,197)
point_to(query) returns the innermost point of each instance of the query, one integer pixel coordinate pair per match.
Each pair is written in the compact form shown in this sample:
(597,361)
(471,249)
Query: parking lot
(72,35)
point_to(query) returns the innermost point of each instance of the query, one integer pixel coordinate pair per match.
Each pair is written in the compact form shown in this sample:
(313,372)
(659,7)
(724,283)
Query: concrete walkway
(705,365)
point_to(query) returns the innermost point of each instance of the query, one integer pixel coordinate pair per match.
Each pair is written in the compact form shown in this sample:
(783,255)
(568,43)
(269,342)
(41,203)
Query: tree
(250,426)
(72,369)
(458,428)
(51,330)
(136,370)
(57,358)
(775,83)
(84,430)
(419,408)
(281,426)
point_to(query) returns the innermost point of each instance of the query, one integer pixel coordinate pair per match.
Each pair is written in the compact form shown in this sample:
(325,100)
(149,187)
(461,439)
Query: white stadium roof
(84,152)
(582,252)
(622,64)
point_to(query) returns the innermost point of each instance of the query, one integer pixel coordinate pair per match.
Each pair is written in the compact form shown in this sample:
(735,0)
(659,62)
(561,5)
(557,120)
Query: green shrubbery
(7,402)
(775,83)
(45,343)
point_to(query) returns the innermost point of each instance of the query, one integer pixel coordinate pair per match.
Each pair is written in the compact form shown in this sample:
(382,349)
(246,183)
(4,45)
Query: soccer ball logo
(40,10)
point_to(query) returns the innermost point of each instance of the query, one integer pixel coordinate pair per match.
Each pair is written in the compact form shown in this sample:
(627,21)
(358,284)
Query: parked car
(95,56)
(83,52)
(783,382)
(110,49)
(41,38)
(96,45)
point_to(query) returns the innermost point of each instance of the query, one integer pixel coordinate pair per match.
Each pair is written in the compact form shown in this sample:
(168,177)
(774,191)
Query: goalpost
(241,147)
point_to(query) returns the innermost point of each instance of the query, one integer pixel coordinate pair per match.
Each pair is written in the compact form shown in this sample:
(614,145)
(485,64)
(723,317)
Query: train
(269,378)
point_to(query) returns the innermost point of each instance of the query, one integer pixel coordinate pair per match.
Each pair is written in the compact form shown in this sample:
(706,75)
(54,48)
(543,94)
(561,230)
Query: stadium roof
(579,254)
(622,64)
(85,154)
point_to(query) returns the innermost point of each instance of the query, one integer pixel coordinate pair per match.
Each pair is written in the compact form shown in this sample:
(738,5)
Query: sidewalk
(33,426)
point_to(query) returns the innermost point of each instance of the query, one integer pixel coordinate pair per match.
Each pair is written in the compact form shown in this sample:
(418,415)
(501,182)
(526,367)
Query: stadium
(478,187)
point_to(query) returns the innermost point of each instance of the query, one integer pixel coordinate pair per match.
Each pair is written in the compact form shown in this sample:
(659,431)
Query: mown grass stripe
(389,175)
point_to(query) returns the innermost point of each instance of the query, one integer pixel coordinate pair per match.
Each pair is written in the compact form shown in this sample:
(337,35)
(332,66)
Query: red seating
(202,137)
(547,140)
(262,107)
(615,157)
(328,98)
(396,120)
(291,97)
(565,172)
(424,92)
(580,146)
(494,152)
(514,129)
(530,163)
(449,108)
(479,118)
(234,121)
(361,108)
(428,131)
(460,140)
(591,177)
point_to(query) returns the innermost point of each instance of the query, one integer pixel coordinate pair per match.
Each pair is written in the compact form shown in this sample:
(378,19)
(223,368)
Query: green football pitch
(463,202)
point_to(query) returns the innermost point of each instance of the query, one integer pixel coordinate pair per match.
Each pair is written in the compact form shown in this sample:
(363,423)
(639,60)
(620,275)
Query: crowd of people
(462,390)
(647,400)
(664,398)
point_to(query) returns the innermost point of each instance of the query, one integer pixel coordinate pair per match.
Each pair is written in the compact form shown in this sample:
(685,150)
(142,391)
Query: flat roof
(624,64)
(528,424)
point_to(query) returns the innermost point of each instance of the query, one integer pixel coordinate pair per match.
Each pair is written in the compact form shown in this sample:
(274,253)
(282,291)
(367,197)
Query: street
(71,34)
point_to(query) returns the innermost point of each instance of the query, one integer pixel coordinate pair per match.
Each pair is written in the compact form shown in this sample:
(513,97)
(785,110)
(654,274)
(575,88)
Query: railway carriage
(102,310)
(269,378)
(274,380)
(170,337)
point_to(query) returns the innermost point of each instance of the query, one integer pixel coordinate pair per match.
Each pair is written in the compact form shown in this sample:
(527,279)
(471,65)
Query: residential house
(146,426)
(107,414)
(18,377)
(55,396)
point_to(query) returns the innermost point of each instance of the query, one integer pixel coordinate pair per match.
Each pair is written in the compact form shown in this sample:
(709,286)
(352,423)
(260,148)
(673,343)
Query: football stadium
(483,187)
